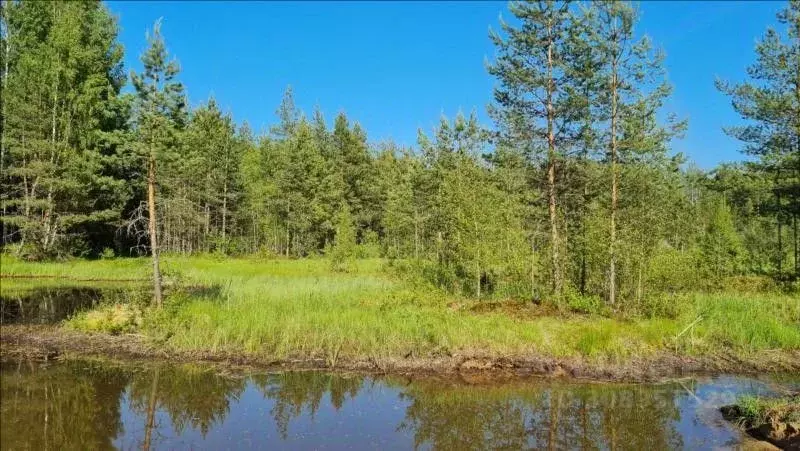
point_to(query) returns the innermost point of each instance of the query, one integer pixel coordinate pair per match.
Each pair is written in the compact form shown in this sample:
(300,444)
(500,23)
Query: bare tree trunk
(225,190)
(49,206)
(151,207)
(585,183)
(612,267)
(477,262)
(551,175)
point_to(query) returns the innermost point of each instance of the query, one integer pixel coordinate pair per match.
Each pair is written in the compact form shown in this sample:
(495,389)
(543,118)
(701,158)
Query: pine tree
(634,89)
(770,102)
(351,154)
(160,116)
(400,218)
(532,105)
(60,104)
(212,149)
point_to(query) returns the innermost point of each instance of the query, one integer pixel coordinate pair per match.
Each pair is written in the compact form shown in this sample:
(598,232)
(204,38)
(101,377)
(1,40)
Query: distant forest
(573,190)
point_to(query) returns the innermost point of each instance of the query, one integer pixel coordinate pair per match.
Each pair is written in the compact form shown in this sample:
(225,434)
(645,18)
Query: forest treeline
(574,189)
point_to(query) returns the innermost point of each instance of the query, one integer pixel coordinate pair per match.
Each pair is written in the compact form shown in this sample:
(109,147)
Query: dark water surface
(28,303)
(94,405)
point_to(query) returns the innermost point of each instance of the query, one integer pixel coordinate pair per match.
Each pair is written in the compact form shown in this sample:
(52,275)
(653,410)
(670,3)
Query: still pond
(89,404)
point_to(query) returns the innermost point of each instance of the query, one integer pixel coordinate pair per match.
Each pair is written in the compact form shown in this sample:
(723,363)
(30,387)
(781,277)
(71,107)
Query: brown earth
(52,342)
(783,435)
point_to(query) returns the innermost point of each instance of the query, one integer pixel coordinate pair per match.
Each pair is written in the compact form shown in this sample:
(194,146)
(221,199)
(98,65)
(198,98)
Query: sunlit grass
(300,308)
(756,410)
(128,268)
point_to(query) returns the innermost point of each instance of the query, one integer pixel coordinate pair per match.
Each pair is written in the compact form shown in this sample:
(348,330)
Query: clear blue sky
(397,66)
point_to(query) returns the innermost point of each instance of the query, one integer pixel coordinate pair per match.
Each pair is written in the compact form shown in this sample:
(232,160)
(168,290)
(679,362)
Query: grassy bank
(754,410)
(301,309)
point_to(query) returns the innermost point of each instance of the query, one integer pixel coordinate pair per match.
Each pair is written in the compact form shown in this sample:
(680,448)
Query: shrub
(672,270)
(583,303)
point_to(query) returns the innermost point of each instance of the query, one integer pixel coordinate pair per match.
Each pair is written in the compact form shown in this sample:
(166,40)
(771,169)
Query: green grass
(754,410)
(111,319)
(121,268)
(300,308)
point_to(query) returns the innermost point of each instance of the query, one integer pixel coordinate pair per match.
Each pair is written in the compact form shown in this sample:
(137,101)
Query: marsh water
(100,405)
(28,302)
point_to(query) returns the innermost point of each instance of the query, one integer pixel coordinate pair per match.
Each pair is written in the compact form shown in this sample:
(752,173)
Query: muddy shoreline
(54,343)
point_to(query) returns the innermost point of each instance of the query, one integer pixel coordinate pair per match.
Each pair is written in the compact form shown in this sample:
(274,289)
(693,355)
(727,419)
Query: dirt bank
(51,342)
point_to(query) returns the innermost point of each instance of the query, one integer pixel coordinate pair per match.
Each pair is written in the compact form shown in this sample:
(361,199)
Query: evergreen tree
(355,162)
(721,245)
(159,118)
(533,104)
(213,149)
(634,88)
(770,102)
(61,106)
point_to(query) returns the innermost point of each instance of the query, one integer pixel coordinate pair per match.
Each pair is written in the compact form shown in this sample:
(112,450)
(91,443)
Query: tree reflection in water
(189,395)
(543,416)
(297,392)
(81,405)
(63,406)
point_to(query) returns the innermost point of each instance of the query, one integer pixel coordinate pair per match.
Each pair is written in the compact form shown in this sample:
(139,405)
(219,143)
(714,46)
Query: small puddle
(101,405)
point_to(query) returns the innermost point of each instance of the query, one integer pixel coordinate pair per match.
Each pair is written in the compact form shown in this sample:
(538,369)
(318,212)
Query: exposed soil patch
(52,342)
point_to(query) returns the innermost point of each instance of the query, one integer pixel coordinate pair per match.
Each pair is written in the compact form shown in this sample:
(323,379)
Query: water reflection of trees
(45,305)
(302,392)
(77,405)
(67,406)
(202,399)
(542,416)
(190,396)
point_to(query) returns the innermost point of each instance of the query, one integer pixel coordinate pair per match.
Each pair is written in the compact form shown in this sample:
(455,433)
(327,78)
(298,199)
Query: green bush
(584,303)
(671,270)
